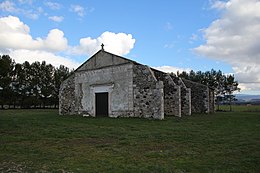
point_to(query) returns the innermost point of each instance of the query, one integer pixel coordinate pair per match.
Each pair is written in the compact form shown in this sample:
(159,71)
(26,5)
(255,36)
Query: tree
(60,75)
(37,77)
(30,84)
(219,87)
(16,84)
(224,85)
(183,74)
(26,87)
(230,86)
(46,81)
(6,74)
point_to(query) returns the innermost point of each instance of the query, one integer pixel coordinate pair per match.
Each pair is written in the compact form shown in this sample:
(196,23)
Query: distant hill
(246,97)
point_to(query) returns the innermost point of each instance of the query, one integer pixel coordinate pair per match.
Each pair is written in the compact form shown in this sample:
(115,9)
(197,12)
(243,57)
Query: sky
(169,35)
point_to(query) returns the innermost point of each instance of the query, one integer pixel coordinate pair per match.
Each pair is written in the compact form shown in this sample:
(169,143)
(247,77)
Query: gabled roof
(189,83)
(103,59)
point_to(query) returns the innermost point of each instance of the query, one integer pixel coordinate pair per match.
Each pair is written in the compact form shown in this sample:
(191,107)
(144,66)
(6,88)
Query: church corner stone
(67,97)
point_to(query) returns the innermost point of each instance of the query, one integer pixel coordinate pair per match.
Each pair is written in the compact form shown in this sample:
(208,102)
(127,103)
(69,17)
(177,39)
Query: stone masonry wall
(211,101)
(185,101)
(185,96)
(67,96)
(148,93)
(117,80)
(199,96)
(172,94)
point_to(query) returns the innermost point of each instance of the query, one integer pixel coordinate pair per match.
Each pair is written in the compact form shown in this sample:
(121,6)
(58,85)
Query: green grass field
(43,141)
(240,108)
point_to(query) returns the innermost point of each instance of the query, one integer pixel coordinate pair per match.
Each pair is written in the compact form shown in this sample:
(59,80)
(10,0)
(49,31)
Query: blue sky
(169,35)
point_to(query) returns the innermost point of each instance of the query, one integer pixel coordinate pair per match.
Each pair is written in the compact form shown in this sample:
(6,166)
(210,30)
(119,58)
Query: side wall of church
(148,93)
(67,96)
(172,94)
(185,96)
(211,101)
(185,101)
(199,96)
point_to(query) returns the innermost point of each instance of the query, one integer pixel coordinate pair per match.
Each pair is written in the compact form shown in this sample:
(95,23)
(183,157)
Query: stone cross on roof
(102,46)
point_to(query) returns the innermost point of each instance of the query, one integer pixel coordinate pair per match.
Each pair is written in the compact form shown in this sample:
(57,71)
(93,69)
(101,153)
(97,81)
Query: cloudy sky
(168,35)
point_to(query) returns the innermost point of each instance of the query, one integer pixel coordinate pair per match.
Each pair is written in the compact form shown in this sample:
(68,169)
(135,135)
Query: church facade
(113,86)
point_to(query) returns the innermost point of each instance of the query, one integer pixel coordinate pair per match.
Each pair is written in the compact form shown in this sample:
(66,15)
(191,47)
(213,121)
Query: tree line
(26,85)
(223,84)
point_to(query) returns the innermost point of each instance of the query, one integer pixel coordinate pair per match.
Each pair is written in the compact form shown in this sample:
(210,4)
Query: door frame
(101,89)
(98,105)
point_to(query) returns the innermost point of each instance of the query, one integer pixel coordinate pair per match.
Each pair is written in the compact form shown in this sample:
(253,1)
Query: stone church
(113,86)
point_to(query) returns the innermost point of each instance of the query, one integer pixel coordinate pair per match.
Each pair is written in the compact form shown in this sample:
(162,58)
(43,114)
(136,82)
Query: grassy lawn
(43,141)
(241,108)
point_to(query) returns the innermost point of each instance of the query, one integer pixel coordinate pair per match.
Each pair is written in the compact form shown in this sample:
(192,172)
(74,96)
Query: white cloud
(16,41)
(55,41)
(8,6)
(53,5)
(194,37)
(22,55)
(250,88)
(119,44)
(14,34)
(31,12)
(25,1)
(78,9)
(169,69)
(90,9)
(168,26)
(219,4)
(56,18)
(170,45)
(234,38)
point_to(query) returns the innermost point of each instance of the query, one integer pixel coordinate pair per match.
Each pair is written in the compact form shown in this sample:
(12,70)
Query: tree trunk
(230,107)
(44,103)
